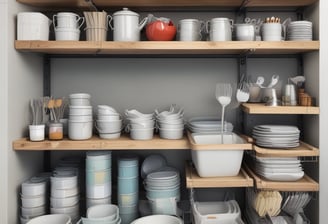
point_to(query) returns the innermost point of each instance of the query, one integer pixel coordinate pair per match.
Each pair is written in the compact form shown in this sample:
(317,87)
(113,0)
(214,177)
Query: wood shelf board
(166,3)
(260,108)
(95,143)
(194,146)
(193,180)
(167,47)
(303,150)
(304,184)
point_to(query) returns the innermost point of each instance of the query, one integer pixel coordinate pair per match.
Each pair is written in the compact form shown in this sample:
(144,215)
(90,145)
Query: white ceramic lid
(125,12)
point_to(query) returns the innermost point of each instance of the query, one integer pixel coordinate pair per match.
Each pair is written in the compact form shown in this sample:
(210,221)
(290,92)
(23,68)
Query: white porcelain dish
(158,219)
(51,219)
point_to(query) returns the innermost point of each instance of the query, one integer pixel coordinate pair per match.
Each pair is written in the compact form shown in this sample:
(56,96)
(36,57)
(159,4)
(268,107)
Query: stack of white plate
(33,196)
(163,191)
(299,30)
(98,178)
(276,136)
(65,193)
(208,125)
(109,122)
(223,212)
(170,123)
(279,168)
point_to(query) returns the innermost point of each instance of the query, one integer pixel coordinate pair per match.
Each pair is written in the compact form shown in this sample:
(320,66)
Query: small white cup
(37,132)
(245,32)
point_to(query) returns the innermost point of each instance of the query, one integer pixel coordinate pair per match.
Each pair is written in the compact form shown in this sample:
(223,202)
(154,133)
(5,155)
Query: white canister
(32,26)
(190,29)
(245,32)
(126,25)
(219,29)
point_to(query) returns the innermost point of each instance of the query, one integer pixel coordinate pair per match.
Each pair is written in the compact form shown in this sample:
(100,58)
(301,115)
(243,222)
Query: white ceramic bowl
(80,130)
(79,99)
(67,34)
(142,134)
(32,202)
(108,212)
(158,219)
(33,189)
(109,126)
(100,201)
(170,126)
(71,210)
(66,182)
(64,202)
(64,193)
(33,212)
(80,110)
(109,117)
(171,133)
(51,219)
(110,135)
(99,155)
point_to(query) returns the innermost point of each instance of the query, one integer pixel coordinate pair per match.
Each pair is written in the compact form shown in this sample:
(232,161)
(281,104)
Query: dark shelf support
(47,92)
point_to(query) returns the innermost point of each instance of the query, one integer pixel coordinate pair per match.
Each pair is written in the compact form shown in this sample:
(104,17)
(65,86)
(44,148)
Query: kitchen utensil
(243,94)
(126,25)
(274,81)
(260,81)
(223,94)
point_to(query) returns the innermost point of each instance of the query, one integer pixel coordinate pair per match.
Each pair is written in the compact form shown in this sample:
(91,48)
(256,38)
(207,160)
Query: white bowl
(99,155)
(79,99)
(66,182)
(110,135)
(108,212)
(30,188)
(171,133)
(158,219)
(32,202)
(109,117)
(71,210)
(100,201)
(51,219)
(67,34)
(80,110)
(33,212)
(170,126)
(80,118)
(142,134)
(64,202)
(80,130)
(109,126)
(64,193)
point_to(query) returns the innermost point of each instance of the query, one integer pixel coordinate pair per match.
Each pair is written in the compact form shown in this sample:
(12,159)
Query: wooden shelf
(304,184)
(303,150)
(260,108)
(95,143)
(166,3)
(167,47)
(193,180)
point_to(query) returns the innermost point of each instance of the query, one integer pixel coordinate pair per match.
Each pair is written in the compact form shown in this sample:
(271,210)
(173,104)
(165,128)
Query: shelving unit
(260,108)
(95,143)
(167,47)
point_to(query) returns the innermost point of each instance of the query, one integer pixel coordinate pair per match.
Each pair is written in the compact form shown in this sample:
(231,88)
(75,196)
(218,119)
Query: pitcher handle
(207,24)
(82,20)
(53,20)
(231,23)
(109,19)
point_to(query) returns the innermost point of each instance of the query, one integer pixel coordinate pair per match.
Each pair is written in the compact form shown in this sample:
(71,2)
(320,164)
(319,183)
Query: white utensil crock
(126,25)
(219,29)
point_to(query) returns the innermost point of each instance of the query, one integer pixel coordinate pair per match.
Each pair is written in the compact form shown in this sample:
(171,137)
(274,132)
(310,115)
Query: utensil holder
(96,34)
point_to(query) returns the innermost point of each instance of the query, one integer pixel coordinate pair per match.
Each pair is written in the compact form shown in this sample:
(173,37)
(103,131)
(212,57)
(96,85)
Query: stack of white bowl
(163,191)
(127,192)
(102,214)
(65,196)
(67,25)
(141,126)
(34,198)
(80,120)
(109,122)
(98,178)
(51,219)
(170,123)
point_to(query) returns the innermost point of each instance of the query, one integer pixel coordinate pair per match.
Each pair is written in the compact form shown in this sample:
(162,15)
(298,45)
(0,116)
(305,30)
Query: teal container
(128,167)
(127,185)
(98,177)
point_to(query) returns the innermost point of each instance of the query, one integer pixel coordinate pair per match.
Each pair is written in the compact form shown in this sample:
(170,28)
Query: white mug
(245,32)
(219,29)
(67,20)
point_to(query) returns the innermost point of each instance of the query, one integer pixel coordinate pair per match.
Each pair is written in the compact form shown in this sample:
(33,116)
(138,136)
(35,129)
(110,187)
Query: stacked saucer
(276,136)
(208,125)
(65,196)
(299,30)
(163,191)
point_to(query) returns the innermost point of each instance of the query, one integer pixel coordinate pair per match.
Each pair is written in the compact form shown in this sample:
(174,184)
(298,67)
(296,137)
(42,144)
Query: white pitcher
(219,29)
(126,25)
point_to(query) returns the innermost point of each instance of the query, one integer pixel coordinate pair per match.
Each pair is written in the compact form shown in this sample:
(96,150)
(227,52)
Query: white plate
(283,176)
